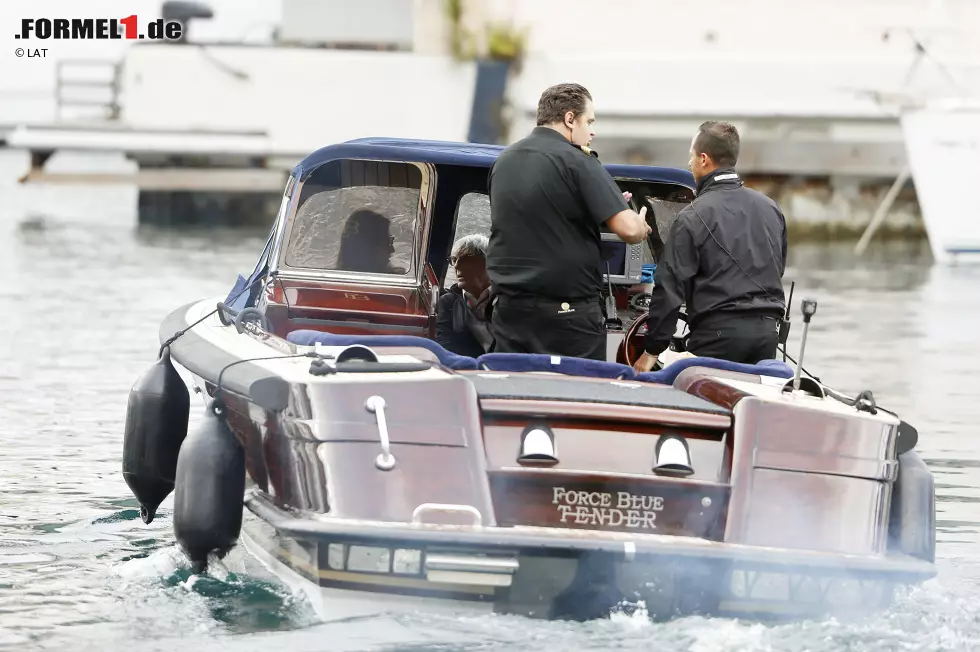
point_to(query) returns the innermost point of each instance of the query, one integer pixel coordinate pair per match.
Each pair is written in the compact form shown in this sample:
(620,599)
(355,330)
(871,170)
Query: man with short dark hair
(548,196)
(724,258)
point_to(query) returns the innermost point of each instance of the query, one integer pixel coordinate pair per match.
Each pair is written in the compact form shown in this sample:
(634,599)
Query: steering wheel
(632,345)
(640,302)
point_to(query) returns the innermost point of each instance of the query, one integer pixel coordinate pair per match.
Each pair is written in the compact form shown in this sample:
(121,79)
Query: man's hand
(643,218)
(627,195)
(630,226)
(645,363)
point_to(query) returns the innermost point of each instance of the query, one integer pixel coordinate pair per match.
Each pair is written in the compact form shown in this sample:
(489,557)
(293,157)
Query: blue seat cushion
(518,362)
(447,358)
(667,376)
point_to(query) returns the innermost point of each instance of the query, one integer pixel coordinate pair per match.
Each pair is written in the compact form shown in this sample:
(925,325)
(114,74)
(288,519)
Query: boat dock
(820,125)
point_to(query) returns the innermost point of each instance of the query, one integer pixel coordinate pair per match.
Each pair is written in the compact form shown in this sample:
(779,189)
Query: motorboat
(373,468)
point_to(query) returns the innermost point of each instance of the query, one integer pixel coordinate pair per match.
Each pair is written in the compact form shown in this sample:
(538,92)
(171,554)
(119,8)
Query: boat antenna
(612,316)
(808,307)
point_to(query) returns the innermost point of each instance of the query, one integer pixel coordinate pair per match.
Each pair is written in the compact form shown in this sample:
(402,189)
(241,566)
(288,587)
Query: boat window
(357,216)
(472,216)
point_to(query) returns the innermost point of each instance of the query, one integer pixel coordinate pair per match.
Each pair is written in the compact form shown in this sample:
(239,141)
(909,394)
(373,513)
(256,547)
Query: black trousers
(746,338)
(533,325)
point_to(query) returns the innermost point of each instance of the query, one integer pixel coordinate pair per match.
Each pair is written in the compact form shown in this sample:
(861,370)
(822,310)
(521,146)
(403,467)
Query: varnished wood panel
(592,501)
(310,293)
(813,511)
(605,448)
(422,474)
(342,308)
(605,412)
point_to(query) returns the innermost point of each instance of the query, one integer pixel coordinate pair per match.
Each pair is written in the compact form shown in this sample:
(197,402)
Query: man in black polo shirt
(548,195)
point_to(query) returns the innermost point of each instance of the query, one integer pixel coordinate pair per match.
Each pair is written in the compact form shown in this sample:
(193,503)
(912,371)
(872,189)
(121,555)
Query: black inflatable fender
(210,486)
(156,424)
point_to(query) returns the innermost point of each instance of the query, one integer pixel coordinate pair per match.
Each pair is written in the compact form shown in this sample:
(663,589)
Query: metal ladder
(65,80)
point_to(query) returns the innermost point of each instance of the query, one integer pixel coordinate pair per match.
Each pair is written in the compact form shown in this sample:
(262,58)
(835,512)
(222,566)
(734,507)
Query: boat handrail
(376,405)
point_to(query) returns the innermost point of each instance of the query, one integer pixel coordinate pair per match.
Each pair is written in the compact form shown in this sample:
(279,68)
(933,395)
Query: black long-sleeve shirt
(725,253)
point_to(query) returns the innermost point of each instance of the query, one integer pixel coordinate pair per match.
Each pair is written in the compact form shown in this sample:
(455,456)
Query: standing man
(548,195)
(724,257)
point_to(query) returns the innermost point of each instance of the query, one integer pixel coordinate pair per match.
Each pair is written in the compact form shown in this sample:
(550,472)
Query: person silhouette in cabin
(366,244)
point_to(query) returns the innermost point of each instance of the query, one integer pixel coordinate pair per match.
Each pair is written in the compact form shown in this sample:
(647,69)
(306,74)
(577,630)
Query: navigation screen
(613,253)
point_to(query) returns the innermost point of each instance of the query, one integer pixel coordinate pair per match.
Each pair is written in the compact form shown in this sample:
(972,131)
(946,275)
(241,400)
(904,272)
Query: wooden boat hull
(458,524)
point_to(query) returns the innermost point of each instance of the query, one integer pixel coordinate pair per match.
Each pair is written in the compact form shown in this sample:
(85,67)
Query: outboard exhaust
(537,447)
(156,425)
(210,486)
(672,457)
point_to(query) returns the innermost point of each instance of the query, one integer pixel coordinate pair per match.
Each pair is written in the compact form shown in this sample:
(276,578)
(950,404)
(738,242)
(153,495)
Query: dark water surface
(82,296)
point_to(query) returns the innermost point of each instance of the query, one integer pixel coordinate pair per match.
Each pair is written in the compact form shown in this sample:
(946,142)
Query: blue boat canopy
(439,152)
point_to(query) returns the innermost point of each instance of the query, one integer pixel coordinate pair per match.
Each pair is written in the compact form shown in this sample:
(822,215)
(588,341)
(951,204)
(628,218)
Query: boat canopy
(444,153)
(385,211)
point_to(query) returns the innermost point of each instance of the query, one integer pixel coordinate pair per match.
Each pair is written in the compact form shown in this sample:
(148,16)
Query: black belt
(713,318)
(532,300)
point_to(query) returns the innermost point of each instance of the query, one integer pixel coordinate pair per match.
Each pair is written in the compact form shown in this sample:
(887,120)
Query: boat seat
(306,337)
(530,362)
(667,375)
(539,362)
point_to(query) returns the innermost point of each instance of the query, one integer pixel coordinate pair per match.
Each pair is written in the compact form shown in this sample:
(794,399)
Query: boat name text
(618,509)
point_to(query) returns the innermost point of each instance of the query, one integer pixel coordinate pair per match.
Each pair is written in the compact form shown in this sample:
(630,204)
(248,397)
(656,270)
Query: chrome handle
(471,564)
(435,300)
(385,460)
(442,507)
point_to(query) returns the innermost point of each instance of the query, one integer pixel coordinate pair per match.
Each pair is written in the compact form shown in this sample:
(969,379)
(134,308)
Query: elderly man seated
(461,324)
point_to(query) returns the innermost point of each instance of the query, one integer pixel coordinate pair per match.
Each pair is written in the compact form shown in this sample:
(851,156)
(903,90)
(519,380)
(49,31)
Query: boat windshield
(357,216)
